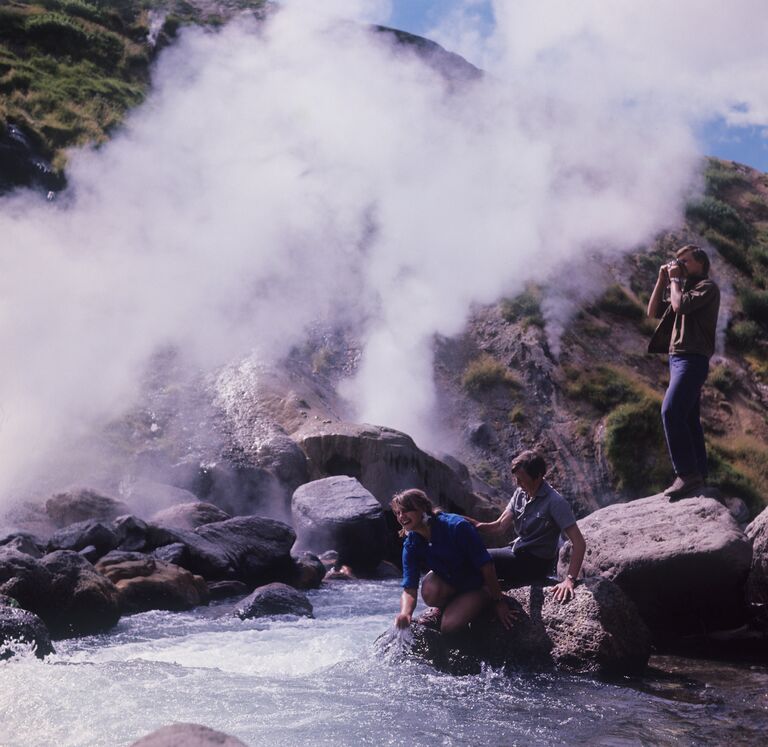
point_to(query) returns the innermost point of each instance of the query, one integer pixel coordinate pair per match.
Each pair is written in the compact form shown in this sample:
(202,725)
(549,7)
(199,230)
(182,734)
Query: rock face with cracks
(683,564)
(757,584)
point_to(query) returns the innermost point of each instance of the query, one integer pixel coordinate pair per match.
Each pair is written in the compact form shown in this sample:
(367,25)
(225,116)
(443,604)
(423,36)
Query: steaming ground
(310,170)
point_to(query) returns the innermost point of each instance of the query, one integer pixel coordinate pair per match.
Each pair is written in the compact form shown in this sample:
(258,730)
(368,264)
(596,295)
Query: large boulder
(24,542)
(188,735)
(338,513)
(258,549)
(308,571)
(190,515)
(386,461)
(598,631)
(81,504)
(757,583)
(20,627)
(197,554)
(684,564)
(145,583)
(131,533)
(82,534)
(25,579)
(274,599)
(81,601)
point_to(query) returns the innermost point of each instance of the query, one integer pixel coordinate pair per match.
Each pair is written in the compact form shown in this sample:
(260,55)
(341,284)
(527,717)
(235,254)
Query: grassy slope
(71,69)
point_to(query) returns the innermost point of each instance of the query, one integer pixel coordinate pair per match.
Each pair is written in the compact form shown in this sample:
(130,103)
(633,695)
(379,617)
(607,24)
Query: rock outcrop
(338,513)
(274,599)
(188,735)
(757,583)
(82,504)
(19,627)
(386,461)
(145,583)
(598,631)
(684,564)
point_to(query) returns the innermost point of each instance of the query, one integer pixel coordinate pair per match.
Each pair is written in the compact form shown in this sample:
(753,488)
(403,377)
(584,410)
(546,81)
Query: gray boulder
(226,589)
(274,599)
(24,542)
(131,533)
(81,601)
(338,513)
(188,735)
(258,549)
(308,571)
(18,626)
(145,583)
(25,579)
(598,631)
(190,515)
(757,583)
(684,564)
(386,461)
(82,504)
(197,554)
(82,534)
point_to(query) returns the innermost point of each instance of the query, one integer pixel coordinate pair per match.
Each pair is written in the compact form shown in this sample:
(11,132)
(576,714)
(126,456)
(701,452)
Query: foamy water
(322,682)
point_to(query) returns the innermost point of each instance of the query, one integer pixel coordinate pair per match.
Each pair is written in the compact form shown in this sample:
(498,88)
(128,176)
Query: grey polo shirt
(540,521)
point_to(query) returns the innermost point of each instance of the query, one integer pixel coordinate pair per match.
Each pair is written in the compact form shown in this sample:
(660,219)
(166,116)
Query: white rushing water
(321,682)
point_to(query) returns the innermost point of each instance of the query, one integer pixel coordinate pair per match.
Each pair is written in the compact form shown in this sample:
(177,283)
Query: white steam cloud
(312,169)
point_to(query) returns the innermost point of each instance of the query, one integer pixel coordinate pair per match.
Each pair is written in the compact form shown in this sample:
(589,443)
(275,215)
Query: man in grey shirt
(539,515)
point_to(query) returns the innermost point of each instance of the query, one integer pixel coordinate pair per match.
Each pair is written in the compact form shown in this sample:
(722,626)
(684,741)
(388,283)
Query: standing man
(687,332)
(539,514)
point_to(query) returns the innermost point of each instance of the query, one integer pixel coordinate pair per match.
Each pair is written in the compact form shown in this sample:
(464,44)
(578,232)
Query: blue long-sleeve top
(455,553)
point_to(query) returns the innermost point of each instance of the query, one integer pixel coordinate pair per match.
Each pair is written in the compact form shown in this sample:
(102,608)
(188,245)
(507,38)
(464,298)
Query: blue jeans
(680,413)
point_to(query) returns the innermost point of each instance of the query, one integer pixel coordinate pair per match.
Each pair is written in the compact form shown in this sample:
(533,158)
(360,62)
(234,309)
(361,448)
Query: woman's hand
(403,620)
(505,614)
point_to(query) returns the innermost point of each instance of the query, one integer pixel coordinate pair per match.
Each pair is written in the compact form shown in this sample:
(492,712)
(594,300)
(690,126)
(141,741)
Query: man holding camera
(687,332)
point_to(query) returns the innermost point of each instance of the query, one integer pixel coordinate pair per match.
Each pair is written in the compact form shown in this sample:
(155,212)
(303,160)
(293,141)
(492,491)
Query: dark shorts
(521,568)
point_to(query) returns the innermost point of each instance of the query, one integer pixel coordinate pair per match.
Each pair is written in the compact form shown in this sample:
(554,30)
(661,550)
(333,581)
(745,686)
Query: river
(323,682)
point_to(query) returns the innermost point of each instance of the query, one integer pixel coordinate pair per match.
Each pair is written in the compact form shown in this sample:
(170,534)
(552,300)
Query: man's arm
(564,590)
(502,525)
(655,303)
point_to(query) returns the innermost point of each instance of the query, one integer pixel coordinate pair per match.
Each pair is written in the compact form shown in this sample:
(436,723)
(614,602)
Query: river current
(323,682)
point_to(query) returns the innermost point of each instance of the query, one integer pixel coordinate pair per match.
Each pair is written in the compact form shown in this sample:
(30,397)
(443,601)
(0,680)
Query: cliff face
(527,371)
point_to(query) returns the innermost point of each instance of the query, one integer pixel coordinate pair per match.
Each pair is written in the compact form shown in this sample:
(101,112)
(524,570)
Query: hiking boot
(683,485)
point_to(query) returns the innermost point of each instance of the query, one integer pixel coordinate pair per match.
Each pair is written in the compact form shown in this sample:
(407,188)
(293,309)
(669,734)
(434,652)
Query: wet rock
(188,735)
(82,504)
(308,571)
(131,533)
(25,543)
(176,553)
(684,564)
(25,579)
(190,515)
(19,626)
(226,589)
(598,631)
(81,600)
(90,553)
(82,534)
(200,555)
(757,583)
(339,513)
(258,549)
(284,459)
(145,583)
(274,599)
(385,462)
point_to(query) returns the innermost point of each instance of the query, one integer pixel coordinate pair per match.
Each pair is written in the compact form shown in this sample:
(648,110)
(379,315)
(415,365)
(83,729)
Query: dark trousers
(520,568)
(680,413)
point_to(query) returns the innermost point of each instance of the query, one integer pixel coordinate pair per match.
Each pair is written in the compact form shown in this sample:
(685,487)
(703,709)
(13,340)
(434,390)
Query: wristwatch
(571,578)
(676,280)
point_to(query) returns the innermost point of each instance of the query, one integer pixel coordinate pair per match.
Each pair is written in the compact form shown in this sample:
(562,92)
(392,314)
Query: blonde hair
(412,499)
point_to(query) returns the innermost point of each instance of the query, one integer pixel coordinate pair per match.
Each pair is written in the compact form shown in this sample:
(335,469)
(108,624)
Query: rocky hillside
(575,380)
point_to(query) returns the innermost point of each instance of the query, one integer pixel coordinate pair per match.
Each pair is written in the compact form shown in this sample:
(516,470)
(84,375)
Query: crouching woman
(461,581)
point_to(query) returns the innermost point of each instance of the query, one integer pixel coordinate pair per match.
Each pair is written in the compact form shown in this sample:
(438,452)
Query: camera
(675,263)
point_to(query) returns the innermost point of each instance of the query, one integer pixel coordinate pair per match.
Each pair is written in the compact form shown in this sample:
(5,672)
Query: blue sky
(748,145)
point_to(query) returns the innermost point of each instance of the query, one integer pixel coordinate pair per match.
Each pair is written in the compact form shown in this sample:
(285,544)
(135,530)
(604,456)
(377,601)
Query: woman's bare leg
(462,609)
(435,592)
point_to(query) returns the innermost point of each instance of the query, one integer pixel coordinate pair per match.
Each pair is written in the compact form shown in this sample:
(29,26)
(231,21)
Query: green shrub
(635,447)
(719,179)
(58,34)
(755,304)
(616,301)
(744,335)
(739,470)
(732,251)
(603,387)
(719,216)
(485,373)
(758,254)
(525,308)
(517,415)
(78,8)
(723,379)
